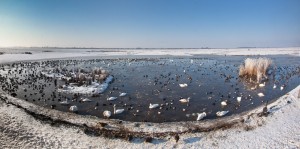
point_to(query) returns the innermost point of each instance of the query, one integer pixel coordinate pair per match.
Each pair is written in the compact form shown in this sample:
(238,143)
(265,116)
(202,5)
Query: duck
(123,94)
(73,108)
(106,113)
(183,85)
(118,111)
(112,98)
(221,113)
(201,116)
(260,94)
(224,103)
(239,99)
(152,106)
(185,100)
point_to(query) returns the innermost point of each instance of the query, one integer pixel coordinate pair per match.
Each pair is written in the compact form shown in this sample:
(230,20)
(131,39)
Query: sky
(150,23)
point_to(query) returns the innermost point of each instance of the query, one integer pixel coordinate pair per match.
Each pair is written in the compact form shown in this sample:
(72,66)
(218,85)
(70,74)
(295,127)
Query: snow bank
(94,88)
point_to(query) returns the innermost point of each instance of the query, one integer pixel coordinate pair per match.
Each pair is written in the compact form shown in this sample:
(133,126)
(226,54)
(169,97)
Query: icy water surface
(210,80)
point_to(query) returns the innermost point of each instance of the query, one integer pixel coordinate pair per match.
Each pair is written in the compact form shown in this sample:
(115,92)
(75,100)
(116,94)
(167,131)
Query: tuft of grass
(255,67)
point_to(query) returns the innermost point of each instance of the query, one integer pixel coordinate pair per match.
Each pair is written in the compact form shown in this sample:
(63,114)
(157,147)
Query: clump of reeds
(255,67)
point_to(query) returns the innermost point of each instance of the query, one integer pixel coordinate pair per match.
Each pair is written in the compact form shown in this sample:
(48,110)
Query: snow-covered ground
(280,129)
(16,54)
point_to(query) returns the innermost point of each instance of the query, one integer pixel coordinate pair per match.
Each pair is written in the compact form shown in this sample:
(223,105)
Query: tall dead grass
(255,67)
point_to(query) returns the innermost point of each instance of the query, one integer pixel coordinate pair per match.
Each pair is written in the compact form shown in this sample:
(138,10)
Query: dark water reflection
(156,80)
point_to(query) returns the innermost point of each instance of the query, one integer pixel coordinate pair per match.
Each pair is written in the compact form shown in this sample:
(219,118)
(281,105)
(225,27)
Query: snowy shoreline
(279,130)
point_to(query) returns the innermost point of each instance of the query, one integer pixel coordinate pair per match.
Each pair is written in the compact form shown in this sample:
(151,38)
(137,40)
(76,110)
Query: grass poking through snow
(255,67)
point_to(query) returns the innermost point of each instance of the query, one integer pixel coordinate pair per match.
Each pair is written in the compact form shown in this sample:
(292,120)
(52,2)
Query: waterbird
(118,111)
(111,98)
(73,108)
(281,88)
(239,99)
(274,86)
(224,103)
(183,85)
(262,84)
(221,113)
(152,106)
(86,100)
(201,116)
(66,102)
(106,113)
(123,94)
(185,100)
(260,94)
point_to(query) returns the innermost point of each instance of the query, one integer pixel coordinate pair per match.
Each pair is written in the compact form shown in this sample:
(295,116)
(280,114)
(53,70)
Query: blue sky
(150,23)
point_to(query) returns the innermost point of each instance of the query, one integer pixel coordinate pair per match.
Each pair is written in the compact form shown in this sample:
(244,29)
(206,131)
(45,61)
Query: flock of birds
(28,75)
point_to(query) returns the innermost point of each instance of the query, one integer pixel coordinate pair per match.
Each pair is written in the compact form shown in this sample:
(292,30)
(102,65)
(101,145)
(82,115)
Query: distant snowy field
(17,54)
(280,129)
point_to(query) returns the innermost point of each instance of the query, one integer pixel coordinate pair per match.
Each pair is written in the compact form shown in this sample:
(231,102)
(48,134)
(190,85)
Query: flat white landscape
(280,129)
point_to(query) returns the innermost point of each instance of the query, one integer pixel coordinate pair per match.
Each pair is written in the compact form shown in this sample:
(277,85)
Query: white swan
(86,100)
(123,94)
(112,98)
(224,103)
(184,100)
(221,113)
(201,116)
(66,102)
(107,113)
(260,94)
(262,84)
(239,99)
(281,88)
(118,111)
(73,108)
(183,85)
(274,86)
(152,106)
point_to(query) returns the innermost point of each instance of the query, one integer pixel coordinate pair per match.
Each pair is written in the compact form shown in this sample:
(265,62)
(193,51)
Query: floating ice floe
(94,88)
(201,116)
(222,113)
(73,108)
(183,85)
(123,94)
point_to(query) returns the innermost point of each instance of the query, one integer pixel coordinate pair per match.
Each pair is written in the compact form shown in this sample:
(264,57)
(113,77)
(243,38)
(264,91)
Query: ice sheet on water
(94,88)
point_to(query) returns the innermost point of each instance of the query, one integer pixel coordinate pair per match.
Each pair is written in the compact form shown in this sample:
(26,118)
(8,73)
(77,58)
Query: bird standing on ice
(201,116)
